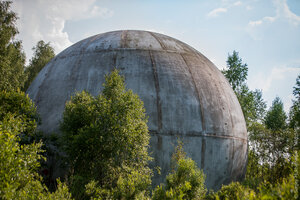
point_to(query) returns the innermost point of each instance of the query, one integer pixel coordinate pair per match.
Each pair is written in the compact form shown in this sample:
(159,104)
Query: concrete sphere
(184,94)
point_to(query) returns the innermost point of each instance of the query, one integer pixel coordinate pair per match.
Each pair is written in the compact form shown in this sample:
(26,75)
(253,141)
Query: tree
(270,154)
(19,165)
(43,53)
(276,117)
(185,182)
(19,160)
(106,140)
(287,188)
(12,57)
(236,72)
(19,104)
(252,103)
(296,90)
(271,143)
(294,114)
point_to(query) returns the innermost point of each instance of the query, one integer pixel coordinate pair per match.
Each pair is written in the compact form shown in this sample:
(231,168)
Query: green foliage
(276,117)
(19,104)
(106,139)
(271,142)
(296,90)
(19,165)
(12,57)
(43,53)
(131,185)
(270,158)
(236,72)
(235,190)
(294,115)
(270,154)
(286,189)
(252,103)
(185,182)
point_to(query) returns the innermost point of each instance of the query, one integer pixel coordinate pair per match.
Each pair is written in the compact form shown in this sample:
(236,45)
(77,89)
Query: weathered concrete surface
(184,94)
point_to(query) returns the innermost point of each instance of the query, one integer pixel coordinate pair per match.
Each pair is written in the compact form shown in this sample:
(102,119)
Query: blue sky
(266,33)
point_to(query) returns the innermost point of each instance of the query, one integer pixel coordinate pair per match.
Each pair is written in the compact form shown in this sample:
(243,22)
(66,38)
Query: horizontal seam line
(120,49)
(199,135)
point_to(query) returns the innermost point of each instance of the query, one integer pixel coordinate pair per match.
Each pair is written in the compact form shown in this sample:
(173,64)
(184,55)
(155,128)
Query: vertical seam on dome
(203,147)
(232,148)
(158,40)
(198,95)
(115,60)
(232,157)
(124,39)
(156,83)
(203,143)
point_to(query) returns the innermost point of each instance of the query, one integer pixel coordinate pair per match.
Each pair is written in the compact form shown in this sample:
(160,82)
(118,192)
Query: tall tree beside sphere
(276,117)
(43,53)
(236,72)
(294,114)
(12,57)
(252,103)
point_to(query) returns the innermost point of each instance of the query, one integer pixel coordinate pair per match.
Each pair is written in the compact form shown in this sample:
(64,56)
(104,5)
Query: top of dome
(129,39)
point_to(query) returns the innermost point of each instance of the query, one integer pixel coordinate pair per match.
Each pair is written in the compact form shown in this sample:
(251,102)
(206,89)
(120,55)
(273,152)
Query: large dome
(184,94)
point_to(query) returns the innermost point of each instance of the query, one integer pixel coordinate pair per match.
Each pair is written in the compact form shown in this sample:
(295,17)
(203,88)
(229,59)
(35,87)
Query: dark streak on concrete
(124,39)
(115,60)
(156,83)
(203,146)
(232,157)
(159,142)
(198,95)
(158,40)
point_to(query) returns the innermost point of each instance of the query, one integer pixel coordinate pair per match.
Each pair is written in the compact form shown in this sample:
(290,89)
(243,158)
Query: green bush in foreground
(185,182)
(286,189)
(106,140)
(19,104)
(19,165)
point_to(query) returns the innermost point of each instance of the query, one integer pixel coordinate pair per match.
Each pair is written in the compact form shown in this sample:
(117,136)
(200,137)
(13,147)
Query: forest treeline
(105,138)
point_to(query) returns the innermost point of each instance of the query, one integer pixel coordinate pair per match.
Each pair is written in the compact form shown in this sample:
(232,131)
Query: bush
(185,182)
(19,165)
(19,104)
(106,139)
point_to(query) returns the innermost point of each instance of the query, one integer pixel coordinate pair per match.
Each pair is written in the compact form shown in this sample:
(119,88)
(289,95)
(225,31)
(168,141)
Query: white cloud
(216,12)
(45,20)
(255,23)
(282,11)
(279,82)
(277,74)
(259,22)
(237,3)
